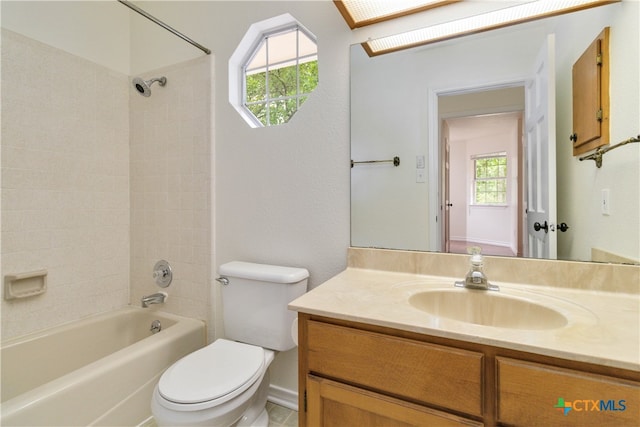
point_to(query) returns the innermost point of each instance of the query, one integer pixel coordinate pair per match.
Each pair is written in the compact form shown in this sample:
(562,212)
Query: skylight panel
(359,13)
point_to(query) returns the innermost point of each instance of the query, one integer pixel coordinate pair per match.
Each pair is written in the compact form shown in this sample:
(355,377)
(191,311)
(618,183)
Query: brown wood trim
(353,24)
(345,14)
(303,367)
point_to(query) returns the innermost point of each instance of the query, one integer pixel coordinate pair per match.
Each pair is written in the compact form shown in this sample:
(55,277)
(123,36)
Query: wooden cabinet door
(590,76)
(333,404)
(405,368)
(536,394)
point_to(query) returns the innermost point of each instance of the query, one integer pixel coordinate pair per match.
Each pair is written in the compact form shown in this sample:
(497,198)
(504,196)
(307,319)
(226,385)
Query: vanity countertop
(603,327)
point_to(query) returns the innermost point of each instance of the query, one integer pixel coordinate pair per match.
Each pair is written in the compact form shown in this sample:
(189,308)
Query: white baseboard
(283,397)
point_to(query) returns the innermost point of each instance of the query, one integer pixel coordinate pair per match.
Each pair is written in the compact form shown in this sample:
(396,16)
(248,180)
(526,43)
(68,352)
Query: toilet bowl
(223,384)
(227,382)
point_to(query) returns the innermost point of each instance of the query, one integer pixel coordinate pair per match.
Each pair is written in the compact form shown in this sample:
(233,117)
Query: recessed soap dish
(25,285)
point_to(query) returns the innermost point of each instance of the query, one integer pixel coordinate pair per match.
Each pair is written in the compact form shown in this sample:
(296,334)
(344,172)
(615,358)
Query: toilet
(226,383)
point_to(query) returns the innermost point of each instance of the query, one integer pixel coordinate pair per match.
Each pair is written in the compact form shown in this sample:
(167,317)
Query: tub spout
(158,298)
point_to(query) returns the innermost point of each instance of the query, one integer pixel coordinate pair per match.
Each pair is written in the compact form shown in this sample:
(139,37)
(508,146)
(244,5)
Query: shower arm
(163,25)
(161,80)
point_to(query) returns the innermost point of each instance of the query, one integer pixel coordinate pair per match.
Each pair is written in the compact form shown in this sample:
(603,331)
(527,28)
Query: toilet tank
(254,303)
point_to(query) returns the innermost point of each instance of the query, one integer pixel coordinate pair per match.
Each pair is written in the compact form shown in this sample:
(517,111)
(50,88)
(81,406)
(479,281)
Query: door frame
(518,187)
(436,152)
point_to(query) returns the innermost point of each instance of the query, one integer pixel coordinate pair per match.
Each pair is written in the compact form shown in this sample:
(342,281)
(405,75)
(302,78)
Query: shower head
(144,86)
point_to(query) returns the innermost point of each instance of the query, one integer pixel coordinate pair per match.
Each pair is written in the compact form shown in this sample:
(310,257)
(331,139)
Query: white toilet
(226,383)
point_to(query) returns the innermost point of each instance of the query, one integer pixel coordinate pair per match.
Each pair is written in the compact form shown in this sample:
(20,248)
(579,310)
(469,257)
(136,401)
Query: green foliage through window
(280,76)
(490,182)
(288,88)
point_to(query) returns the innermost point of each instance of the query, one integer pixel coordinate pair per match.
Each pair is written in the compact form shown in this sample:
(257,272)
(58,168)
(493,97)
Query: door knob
(537,226)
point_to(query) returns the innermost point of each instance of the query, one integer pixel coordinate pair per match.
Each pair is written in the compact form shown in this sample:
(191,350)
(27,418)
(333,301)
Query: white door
(540,126)
(447,191)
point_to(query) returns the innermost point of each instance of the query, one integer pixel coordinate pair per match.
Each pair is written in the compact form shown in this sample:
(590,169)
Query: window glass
(490,183)
(280,75)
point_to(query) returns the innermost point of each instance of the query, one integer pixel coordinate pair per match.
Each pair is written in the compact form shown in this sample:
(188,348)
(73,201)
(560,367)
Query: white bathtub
(97,371)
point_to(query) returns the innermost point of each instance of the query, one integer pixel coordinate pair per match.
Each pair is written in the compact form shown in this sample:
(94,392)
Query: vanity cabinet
(365,375)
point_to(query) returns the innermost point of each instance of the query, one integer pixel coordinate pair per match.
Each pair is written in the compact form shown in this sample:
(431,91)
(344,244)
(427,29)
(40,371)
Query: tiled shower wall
(171,216)
(65,183)
(98,183)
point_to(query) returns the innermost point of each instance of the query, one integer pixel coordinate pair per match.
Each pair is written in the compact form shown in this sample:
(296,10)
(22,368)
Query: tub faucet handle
(162,273)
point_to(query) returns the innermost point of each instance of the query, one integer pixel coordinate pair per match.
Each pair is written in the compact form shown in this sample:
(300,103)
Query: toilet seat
(212,375)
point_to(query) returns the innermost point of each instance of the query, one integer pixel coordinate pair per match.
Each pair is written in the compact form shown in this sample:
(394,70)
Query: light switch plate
(605,203)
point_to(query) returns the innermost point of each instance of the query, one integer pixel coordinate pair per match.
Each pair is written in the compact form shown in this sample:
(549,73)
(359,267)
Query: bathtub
(97,371)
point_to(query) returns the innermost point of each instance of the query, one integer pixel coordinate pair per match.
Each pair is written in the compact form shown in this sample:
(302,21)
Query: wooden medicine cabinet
(591,96)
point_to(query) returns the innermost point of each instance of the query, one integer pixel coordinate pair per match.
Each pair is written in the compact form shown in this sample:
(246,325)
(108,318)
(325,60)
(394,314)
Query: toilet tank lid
(263,272)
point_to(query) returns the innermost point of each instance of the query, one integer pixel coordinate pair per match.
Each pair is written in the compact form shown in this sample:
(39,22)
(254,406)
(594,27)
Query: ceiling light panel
(479,23)
(359,13)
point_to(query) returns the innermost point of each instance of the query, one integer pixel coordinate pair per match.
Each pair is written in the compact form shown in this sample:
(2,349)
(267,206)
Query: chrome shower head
(144,86)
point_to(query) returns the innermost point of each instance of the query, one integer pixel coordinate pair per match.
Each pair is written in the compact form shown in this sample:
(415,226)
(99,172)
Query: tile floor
(279,416)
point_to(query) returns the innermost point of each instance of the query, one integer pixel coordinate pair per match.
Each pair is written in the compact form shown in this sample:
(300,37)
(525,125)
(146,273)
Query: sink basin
(487,308)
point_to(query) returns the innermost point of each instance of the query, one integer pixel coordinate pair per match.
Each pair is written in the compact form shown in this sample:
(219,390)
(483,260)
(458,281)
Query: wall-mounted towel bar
(395,161)
(597,155)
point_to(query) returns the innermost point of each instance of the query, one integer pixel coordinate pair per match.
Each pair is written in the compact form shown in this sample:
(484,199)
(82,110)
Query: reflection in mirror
(403,103)
(482,172)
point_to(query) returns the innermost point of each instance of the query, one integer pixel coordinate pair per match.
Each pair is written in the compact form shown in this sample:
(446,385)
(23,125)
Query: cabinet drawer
(397,366)
(536,394)
(332,403)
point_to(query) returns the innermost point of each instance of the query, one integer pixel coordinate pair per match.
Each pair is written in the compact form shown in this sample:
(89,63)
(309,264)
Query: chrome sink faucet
(158,298)
(476,279)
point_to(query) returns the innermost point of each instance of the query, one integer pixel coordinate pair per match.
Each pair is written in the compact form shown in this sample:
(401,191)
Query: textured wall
(65,183)
(171,187)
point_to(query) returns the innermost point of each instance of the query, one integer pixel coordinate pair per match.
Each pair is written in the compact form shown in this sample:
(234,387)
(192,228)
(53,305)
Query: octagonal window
(277,72)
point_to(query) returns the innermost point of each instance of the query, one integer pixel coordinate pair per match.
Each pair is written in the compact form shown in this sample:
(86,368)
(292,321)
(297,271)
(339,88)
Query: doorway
(482,165)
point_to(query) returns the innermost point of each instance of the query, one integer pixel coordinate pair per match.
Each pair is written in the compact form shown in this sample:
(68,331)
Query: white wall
(388,206)
(96,30)
(581,182)
(279,190)
(405,81)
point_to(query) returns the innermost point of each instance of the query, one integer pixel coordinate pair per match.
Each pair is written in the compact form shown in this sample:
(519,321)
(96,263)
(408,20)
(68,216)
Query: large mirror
(455,114)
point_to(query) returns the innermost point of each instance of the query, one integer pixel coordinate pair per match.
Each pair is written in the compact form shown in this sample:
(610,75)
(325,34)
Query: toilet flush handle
(223,280)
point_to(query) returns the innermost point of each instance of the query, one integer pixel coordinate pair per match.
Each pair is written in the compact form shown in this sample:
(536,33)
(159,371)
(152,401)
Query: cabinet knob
(573,137)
